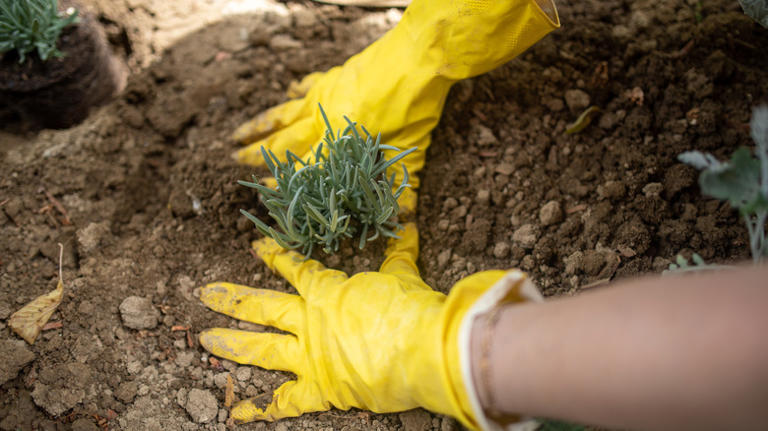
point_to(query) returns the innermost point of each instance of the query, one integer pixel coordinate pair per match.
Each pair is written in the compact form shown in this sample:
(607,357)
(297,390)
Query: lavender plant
(343,192)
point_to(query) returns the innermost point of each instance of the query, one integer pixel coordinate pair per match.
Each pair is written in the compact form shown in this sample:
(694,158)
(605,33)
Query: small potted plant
(54,65)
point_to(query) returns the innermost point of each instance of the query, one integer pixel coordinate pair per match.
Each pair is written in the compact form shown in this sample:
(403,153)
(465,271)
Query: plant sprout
(342,193)
(32,25)
(698,264)
(742,181)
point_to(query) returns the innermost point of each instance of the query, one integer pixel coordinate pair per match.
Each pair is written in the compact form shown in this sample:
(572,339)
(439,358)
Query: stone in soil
(501,249)
(576,99)
(184,359)
(416,420)
(91,236)
(202,406)
(15,357)
(127,392)
(525,236)
(443,258)
(550,213)
(138,313)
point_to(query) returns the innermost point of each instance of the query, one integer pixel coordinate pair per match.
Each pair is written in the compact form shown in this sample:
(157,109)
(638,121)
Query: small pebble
(501,250)
(483,196)
(243,374)
(184,359)
(525,236)
(416,420)
(459,212)
(443,258)
(528,263)
(576,99)
(138,313)
(551,213)
(180,344)
(450,203)
(653,189)
(220,380)
(201,405)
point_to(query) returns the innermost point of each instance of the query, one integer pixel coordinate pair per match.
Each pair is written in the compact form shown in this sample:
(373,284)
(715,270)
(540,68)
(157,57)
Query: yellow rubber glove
(382,341)
(397,86)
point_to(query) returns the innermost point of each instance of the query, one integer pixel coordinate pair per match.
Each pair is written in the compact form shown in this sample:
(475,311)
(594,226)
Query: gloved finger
(270,182)
(297,137)
(298,89)
(260,306)
(401,255)
(407,201)
(291,399)
(265,350)
(301,273)
(271,120)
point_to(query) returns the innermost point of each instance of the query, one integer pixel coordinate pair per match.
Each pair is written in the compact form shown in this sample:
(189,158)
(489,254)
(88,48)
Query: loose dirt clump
(143,194)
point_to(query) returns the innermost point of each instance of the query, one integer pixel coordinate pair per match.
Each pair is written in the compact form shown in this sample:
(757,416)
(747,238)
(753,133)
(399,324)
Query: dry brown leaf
(229,393)
(583,121)
(30,319)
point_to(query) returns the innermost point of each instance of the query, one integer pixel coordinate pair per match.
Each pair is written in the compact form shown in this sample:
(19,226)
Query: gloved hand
(382,341)
(398,85)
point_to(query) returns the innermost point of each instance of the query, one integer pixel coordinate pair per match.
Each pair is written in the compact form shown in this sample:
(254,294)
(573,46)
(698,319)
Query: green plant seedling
(343,192)
(742,181)
(697,264)
(32,25)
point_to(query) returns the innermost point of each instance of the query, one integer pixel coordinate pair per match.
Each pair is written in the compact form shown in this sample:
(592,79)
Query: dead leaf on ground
(583,121)
(30,319)
(229,393)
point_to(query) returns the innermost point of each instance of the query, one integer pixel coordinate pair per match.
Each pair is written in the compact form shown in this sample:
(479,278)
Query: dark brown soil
(58,93)
(152,203)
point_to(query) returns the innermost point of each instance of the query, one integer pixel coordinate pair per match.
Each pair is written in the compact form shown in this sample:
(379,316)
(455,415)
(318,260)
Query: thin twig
(577,208)
(59,207)
(52,325)
(680,53)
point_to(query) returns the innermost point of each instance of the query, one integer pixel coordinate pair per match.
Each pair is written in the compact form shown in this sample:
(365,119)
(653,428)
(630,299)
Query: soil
(59,92)
(143,194)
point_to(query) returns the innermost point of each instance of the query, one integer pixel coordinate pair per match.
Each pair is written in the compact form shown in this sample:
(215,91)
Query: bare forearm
(674,352)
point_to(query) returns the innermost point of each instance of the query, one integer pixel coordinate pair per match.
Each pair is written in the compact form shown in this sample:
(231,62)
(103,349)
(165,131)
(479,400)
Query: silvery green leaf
(699,160)
(759,125)
(737,181)
(757,10)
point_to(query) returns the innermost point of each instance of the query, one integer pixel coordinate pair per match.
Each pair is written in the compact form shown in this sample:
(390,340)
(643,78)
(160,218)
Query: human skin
(676,352)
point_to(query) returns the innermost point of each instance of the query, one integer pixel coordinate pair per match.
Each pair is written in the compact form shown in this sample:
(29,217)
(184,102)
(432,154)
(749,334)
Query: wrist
(490,359)
(485,360)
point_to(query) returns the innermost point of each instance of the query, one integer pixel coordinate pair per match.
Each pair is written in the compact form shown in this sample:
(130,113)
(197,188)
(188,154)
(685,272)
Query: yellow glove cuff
(471,298)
